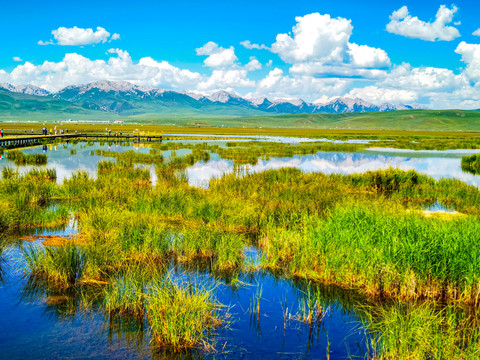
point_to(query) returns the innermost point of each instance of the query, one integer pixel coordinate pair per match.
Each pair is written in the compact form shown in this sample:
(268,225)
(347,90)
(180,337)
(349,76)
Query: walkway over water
(12,142)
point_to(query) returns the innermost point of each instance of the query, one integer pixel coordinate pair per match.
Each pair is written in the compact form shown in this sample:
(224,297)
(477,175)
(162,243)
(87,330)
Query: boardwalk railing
(29,140)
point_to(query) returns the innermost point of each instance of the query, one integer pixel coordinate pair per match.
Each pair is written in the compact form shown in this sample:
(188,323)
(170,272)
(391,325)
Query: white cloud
(319,46)
(217,56)
(402,23)
(471,56)
(79,36)
(364,56)
(248,45)
(476,32)
(379,96)
(77,69)
(277,85)
(225,79)
(422,79)
(253,64)
(315,37)
(17,59)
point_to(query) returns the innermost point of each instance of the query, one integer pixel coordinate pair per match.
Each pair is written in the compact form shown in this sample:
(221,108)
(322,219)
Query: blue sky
(404,64)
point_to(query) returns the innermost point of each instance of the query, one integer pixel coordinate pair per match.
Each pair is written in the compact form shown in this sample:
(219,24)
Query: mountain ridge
(125,98)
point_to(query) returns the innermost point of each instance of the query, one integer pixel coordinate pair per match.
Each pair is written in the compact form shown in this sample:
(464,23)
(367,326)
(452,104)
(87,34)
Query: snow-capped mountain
(25,89)
(125,98)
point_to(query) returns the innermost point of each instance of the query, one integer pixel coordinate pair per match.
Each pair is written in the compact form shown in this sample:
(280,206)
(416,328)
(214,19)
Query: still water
(437,164)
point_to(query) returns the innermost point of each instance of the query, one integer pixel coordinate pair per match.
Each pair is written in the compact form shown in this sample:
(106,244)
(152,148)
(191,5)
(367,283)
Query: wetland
(336,247)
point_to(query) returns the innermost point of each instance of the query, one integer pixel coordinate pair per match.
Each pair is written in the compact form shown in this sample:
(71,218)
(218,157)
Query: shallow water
(38,322)
(437,164)
(434,165)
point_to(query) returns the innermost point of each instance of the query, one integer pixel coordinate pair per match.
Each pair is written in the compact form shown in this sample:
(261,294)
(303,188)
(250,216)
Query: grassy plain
(405,120)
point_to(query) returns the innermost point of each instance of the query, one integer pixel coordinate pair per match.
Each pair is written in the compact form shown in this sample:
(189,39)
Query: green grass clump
(63,265)
(182,316)
(9,172)
(420,331)
(26,159)
(153,157)
(471,164)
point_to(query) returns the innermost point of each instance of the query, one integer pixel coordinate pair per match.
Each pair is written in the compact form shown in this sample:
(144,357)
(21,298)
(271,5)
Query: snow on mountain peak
(25,89)
(221,96)
(293,101)
(107,85)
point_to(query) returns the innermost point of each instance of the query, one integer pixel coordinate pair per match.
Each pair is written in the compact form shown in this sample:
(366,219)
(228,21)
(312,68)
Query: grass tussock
(26,159)
(182,316)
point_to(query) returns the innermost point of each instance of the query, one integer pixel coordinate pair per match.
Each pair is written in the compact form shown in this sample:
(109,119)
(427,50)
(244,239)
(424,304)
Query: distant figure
(1,133)
(67,131)
(62,131)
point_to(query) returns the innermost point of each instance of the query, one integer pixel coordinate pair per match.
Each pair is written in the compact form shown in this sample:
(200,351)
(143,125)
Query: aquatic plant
(63,265)
(182,315)
(26,159)
(420,331)
(471,163)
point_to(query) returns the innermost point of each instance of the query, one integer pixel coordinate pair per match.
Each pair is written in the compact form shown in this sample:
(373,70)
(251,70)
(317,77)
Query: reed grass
(182,316)
(26,159)
(63,265)
(421,331)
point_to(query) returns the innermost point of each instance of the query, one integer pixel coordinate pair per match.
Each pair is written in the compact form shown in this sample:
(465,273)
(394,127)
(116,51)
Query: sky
(425,52)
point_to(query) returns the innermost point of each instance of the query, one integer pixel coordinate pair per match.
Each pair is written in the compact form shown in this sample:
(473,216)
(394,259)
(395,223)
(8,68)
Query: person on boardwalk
(1,133)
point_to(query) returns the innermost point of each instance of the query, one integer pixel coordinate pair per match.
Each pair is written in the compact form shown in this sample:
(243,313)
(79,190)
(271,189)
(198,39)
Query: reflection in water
(37,316)
(438,164)
(339,163)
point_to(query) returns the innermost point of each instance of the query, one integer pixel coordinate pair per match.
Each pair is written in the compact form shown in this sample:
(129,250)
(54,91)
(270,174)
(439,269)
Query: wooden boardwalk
(17,141)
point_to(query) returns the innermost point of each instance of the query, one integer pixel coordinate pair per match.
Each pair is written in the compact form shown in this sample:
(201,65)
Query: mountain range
(126,99)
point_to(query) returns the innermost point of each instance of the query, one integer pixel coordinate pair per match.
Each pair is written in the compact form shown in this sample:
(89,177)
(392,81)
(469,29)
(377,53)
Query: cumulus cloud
(217,56)
(77,69)
(422,79)
(79,36)
(278,85)
(471,56)
(17,59)
(379,96)
(476,32)
(402,23)
(367,57)
(248,45)
(225,79)
(315,37)
(253,64)
(319,46)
